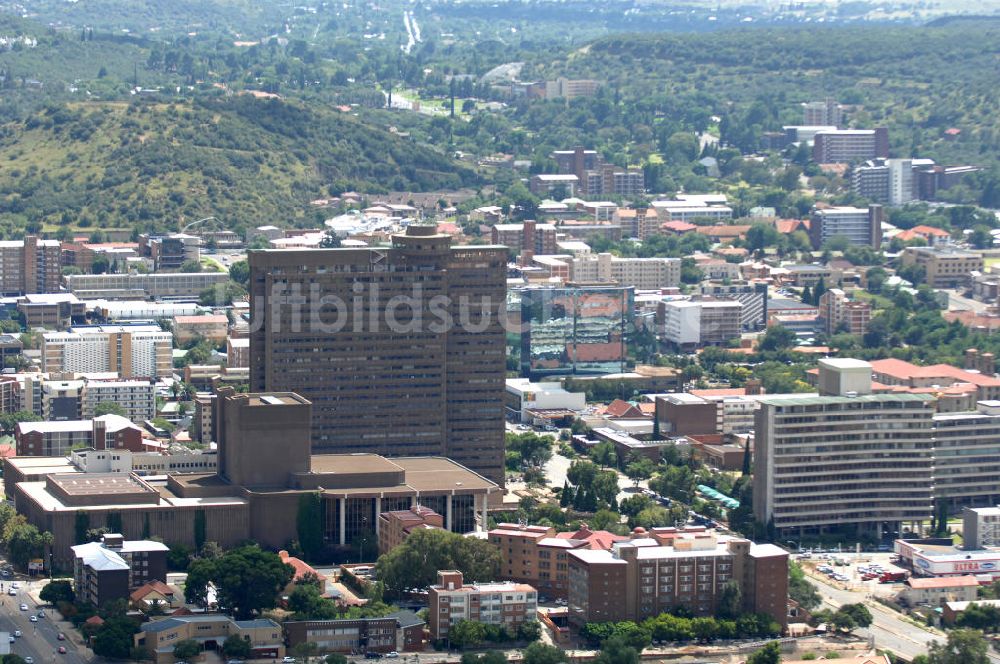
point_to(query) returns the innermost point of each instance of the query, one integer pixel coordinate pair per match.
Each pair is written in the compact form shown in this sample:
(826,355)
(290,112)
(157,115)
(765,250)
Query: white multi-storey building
(136,397)
(131,350)
(642,273)
(143,463)
(845,458)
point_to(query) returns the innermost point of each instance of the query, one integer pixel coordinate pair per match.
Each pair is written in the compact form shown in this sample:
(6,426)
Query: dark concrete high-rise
(400,349)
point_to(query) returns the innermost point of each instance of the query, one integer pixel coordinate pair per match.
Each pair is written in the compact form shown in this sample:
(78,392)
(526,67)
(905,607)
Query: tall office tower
(826,112)
(845,460)
(400,349)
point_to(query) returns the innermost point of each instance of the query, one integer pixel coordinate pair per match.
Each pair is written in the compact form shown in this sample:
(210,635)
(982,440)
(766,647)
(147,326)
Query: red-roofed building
(538,554)
(303,570)
(154,593)
(623,410)
(789,226)
(929,234)
(891,371)
(723,232)
(677,227)
(938,590)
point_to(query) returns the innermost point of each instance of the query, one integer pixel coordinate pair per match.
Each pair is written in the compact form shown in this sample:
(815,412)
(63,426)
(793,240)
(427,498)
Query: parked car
(62,650)
(392,655)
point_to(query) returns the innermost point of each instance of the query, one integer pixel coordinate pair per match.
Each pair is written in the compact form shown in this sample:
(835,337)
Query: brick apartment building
(507,604)
(595,177)
(420,392)
(30,265)
(394,527)
(655,572)
(58,438)
(112,568)
(538,555)
(837,313)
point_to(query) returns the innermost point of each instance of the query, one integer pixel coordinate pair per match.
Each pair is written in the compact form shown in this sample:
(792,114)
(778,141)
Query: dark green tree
(187,649)
(309,522)
(415,563)
(57,591)
(236,646)
(199,529)
(81,524)
(247,580)
(769,654)
(541,653)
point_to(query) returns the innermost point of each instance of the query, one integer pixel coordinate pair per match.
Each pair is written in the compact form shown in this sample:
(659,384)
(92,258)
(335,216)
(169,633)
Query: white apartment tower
(846,459)
(142,351)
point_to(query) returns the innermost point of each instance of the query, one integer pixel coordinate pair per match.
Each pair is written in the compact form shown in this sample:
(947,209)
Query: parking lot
(870,572)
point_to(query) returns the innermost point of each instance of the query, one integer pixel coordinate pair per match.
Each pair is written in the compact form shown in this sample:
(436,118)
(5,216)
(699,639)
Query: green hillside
(156,165)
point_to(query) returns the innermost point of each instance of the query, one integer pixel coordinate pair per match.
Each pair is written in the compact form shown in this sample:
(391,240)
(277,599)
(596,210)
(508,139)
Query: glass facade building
(577,330)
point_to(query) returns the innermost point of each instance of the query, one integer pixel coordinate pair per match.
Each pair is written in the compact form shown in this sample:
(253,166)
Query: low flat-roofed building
(58,438)
(213,327)
(522,395)
(400,631)
(945,267)
(935,591)
(53,311)
(158,637)
(255,493)
(927,559)
(157,286)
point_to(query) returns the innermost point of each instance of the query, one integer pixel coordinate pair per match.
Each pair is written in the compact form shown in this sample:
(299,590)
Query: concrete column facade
(378,510)
(447,515)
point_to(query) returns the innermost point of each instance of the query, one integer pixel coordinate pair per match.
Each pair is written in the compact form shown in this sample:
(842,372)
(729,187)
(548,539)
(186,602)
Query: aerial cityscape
(499,332)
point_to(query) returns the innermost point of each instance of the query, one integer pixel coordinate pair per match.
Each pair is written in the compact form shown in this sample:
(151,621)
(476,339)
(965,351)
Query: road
(889,629)
(958,301)
(39,640)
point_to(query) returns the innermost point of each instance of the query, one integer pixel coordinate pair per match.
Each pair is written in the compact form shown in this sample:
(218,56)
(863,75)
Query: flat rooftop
(101,484)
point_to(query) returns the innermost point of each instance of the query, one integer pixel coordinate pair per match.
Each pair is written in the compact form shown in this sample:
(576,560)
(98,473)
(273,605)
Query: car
(24,607)
(15,585)
(17,633)
(392,655)
(288,660)
(61,636)
(33,618)
(62,650)
(29,660)
(41,613)
(12,592)
(373,655)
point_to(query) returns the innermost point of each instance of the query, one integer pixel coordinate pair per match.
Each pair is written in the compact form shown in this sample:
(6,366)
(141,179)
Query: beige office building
(945,267)
(642,273)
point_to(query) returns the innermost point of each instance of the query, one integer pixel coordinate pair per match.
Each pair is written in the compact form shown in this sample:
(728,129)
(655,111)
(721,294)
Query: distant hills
(245,161)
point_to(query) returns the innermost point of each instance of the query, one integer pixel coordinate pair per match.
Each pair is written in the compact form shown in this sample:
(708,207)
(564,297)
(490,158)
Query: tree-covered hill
(242,160)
